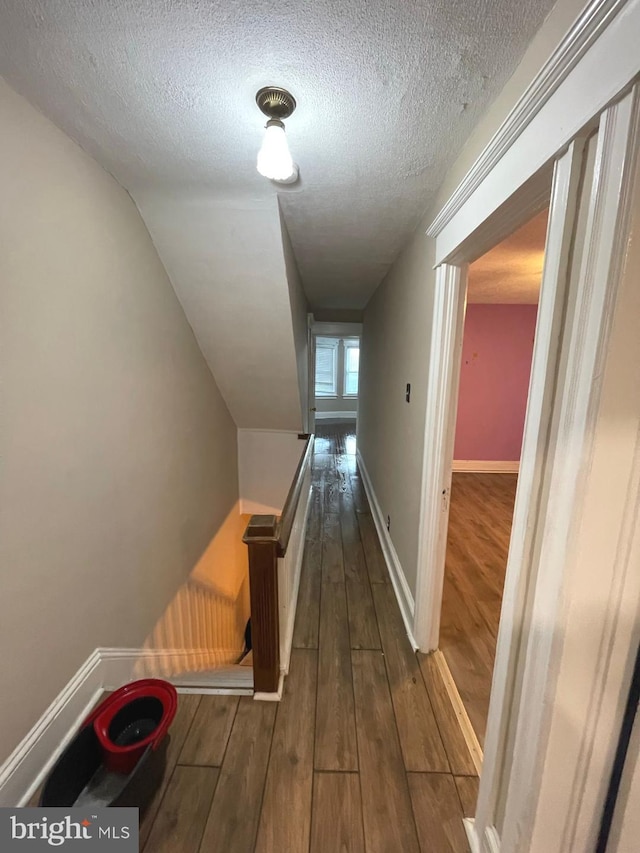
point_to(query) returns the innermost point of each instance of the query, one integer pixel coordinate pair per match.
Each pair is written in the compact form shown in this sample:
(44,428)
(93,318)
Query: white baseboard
(271,697)
(336,416)
(31,760)
(472,838)
(118,666)
(228,680)
(398,579)
(491,840)
(483,466)
(28,765)
(468,732)
(489,844)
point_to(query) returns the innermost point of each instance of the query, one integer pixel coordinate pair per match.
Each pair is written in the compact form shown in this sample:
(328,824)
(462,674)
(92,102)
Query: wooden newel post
(261,539)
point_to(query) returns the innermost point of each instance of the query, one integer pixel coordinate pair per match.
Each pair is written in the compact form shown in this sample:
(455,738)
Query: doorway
(497,349)
(563,601)
(335,357)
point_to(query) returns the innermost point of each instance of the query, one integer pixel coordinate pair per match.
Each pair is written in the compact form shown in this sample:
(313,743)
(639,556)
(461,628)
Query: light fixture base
(276,103)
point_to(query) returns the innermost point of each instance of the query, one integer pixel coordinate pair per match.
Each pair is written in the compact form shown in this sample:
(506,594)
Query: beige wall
(395,345)
(118,452)
(394,350)
(267,463)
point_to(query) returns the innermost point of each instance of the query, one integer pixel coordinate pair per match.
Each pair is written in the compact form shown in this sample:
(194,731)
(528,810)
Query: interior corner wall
(119,455)
(267,463)
(397,327)
(497,350)
(299,312)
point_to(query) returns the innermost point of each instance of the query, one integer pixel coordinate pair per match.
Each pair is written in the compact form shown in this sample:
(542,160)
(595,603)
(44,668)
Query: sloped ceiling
(227,265)
(511,273)
(162,94)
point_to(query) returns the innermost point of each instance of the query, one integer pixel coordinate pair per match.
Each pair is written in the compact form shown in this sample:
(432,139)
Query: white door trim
(553,291)
(562,406)
(558,579)
(444,369)
(444,377)
(310,420)
(594,65)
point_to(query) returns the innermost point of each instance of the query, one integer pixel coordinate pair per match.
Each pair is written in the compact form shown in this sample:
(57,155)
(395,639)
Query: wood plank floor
(363,753)
(477,546)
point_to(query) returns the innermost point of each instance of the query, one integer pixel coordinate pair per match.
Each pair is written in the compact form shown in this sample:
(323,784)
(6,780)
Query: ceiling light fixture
(274,158)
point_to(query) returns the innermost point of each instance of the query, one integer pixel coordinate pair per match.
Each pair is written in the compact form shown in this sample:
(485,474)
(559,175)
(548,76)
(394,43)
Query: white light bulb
(274,158)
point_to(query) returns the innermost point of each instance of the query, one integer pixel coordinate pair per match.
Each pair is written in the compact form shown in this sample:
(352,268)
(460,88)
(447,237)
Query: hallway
(363,753)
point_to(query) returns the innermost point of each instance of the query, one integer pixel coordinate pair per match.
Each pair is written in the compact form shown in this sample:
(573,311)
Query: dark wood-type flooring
(363,753)
(480,519)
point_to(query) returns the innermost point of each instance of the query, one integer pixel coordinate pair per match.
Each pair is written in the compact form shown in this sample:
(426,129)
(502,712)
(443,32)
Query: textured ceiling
(161,92)
(512,271)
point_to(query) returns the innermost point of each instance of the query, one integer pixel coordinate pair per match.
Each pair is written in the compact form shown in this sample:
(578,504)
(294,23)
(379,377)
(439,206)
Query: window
(327,367)
(351,366)
(337,365)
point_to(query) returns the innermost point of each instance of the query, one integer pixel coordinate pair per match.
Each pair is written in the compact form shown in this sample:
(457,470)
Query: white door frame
(562,400)
(444,372)
(596,62)
(444,377)
(310,419)
(575,578)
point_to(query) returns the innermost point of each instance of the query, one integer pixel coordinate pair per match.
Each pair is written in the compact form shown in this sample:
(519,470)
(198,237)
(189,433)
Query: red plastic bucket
(135,717)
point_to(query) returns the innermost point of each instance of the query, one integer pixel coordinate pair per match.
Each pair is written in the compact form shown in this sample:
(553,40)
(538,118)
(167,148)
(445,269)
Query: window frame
(350,343)
(332,344)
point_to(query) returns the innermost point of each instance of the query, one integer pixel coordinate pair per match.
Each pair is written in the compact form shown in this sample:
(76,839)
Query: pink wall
(494,381)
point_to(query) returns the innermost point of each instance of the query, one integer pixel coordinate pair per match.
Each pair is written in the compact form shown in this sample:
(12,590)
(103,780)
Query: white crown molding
(585,30)
(394,567)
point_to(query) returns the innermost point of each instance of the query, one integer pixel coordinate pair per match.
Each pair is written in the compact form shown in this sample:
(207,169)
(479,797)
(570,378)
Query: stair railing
(275,556)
